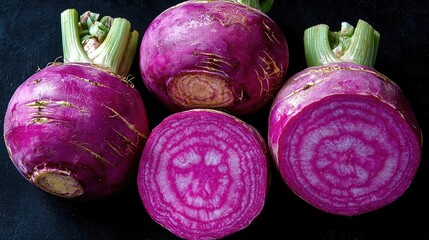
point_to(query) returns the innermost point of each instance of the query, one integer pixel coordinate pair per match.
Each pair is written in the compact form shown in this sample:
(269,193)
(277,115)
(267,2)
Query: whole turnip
(214,54)
(77,129)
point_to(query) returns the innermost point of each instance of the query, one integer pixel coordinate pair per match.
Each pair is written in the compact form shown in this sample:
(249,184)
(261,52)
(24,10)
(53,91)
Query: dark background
(30,38)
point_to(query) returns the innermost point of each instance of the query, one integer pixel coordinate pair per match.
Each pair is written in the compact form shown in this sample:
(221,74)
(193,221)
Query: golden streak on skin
(94,83)
(327,70)
(65,104)
(129,125)
(305,87)
(210,63)
(37,81)
(276,70)
(114,149)
(40,120)
(40,104)
(210,54)
(270,34)
(211,69)
(94,154)
(260,80)
(308,85)
(213,61)
(127,141)
(89,81)
(270,70)
(269,37)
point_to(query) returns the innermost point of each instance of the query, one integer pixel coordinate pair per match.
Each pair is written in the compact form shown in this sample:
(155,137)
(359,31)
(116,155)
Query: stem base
(57,182)
(194,89)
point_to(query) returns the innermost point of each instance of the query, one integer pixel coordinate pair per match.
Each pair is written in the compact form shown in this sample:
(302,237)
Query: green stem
(124,68)
(110,53)
(107,43)
(357,45)
(264,5)
(72,47)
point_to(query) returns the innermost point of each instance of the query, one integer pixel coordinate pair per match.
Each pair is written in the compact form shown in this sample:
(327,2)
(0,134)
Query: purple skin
(76,131)
(203,174)
(213,54)
(344,138)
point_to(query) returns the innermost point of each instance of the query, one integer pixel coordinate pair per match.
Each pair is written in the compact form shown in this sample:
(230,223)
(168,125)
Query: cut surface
(204,175)
(200,89)
(348,154)
(57,182)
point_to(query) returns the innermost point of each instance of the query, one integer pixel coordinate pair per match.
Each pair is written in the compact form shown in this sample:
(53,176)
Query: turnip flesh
(76,130)
(344,138)
(203,174)
(213,54)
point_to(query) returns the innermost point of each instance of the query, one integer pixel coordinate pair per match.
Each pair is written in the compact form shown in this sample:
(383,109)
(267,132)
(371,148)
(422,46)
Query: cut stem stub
(358,45)
(108,42)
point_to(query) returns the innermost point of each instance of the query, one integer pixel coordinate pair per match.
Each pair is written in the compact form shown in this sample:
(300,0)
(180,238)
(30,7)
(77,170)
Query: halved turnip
(343,135)
(203,174)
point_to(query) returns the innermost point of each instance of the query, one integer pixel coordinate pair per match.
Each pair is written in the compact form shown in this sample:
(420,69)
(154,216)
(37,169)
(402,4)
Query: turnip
(203,174)
(214,54)
(343,135)
(77,129)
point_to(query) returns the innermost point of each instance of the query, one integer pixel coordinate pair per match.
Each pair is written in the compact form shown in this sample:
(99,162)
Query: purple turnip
(343,135)
(77,129)
(214,54)
(203,174)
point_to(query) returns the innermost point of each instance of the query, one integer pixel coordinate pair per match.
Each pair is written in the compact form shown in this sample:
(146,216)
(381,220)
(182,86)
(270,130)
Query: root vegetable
(343,135)
(203,174)
(76,130)
(214,54)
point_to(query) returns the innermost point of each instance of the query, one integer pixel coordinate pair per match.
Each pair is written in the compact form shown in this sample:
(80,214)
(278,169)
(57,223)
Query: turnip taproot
(76,130)
(203,174)
(214,54)
(343,135)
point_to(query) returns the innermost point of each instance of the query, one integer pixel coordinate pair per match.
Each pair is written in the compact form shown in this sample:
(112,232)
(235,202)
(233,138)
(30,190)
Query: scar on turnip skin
(37,81)
(127,140)
(94,154)
(270,33)
(114,149)
(129,125)
(270,70)
(42,103)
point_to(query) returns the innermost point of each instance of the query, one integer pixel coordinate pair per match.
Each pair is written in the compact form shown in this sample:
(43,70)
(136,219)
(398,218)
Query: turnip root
(214,54)
(76,130)
(342,135)
(203,174)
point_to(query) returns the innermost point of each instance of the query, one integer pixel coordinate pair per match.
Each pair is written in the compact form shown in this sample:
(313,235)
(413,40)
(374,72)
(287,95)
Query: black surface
(30,38)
